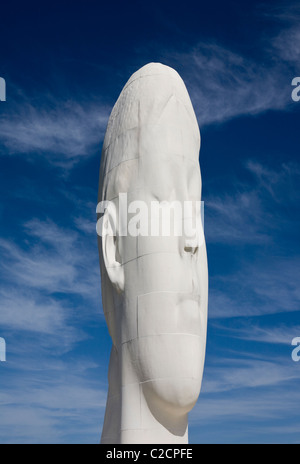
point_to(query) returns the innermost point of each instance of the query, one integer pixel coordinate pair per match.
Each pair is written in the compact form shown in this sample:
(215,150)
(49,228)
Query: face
(160,309)
(164,324)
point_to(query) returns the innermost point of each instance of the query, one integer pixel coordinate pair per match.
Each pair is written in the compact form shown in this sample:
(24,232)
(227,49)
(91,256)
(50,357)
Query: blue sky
(65,64)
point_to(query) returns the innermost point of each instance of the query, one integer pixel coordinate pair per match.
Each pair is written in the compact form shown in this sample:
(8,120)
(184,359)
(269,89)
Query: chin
(170,369)
(174,396)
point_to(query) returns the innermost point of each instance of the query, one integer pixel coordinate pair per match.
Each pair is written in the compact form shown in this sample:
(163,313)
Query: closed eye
(191,250)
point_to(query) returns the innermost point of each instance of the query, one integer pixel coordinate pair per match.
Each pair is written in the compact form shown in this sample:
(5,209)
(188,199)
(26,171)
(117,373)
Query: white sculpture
(154,288)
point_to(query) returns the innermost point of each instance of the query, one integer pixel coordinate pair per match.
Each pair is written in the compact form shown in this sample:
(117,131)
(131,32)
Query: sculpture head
(154,280)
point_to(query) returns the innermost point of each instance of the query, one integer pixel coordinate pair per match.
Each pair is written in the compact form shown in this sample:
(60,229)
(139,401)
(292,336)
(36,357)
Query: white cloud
(268,287)
(54,406)
(61,398)
(236,218)
(55,263)
(85,225)
(285,43)
(260,407)
(250,213)
(244,399)
(255,214)
(234,374)
(49,289)
(225,83)
(282,334)
(62,132)
(23,311)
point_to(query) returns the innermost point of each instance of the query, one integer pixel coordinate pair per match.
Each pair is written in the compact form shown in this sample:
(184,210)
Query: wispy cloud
(261,214)
(48,295)
(239,394)
(49,287)
(258,416)
(250,212)
(282,334)
(26,312)
(235,374)
(55,263)
(262,289)
(285,42)
(62,132)
(225,83)
(57,405)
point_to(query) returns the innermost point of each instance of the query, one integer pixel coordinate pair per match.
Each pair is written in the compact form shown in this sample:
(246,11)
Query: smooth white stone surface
(154,292)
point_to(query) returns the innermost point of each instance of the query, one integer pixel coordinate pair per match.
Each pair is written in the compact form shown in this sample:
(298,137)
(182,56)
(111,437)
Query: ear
(111,257)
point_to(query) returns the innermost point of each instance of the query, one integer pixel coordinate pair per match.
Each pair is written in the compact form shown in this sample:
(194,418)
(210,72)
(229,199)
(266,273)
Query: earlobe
(114,267)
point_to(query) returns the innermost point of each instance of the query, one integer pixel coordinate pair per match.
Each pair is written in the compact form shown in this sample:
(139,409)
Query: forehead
(152,141)
(153,114)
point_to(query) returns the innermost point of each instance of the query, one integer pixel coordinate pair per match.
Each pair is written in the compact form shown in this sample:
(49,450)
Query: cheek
(158,272)
(169,313)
